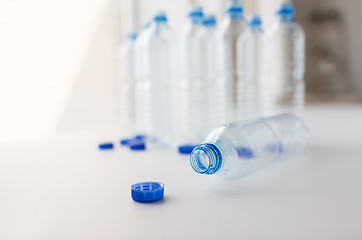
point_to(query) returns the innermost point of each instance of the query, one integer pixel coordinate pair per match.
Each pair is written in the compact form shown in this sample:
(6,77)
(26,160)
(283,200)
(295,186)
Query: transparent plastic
(238,149)
(155,87)
(185,98)
(139,62)
(127,83)
(226,95)
(249,47)
(284,66)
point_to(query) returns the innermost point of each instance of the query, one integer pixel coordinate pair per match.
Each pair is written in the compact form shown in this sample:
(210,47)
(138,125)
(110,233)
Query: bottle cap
(186,149)
(132,35)
(137,145)
(105,146)
(195,11)
(234,9)
(147,192)
(160,17)
(140,137)
(209,20)
(254,20)
(125,141)
(285,9)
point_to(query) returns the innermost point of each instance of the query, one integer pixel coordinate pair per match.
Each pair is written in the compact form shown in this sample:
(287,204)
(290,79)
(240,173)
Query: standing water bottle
(285,63)
(127,82)
(249,91)
(156,88)
(238,149)
(226,95)
(199,114)
(139,73)
(185,98)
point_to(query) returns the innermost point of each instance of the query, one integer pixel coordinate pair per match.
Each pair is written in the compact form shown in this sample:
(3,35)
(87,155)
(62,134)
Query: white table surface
(65,188)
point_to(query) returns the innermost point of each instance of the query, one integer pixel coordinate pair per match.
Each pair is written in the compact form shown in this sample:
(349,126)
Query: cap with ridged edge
(147,192)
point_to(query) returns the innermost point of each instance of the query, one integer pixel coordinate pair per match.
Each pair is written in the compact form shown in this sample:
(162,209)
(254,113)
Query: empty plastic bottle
(155,87)
(284,66)
(139,73)
(185,101)
(127,82)
(249,95)
(204,75)
(230,29)
(188,32)
(237,149)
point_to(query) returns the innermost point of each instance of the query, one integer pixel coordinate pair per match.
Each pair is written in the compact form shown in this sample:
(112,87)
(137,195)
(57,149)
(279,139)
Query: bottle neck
(206,158)
(286,18)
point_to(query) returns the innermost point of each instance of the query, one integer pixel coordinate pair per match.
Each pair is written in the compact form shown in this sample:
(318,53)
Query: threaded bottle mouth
(206,158)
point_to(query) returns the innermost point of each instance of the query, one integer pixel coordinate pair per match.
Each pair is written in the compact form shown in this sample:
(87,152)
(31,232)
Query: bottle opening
(206,159)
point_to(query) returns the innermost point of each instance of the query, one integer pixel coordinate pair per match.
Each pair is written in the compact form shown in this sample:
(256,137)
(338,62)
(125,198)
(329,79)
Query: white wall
(42,44)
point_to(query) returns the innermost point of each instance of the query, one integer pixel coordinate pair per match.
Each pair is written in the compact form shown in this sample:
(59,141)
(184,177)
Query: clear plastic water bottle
(284,66)
(139,73)
(197,94)
(185,99)
(195,16)
(249,96)
(127,82)
(230,29)
(238,149)
(155,87)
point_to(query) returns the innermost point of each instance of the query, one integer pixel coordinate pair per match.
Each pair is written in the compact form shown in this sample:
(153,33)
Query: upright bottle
(156,85)
(237,149)
(201,88)
(127,82)
(249,55)
(226,96)
(139,73)
(185,99)
(284,66)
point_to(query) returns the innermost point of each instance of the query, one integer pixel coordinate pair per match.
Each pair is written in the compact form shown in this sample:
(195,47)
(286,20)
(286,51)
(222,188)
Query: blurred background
(59,65)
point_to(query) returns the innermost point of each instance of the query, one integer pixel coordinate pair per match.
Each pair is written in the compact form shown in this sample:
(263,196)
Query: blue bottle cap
(105,146)
(140,137)
(147,192)
(254,21)
(160,16)
(245,152)
(285,9)
(137,145)
(195,11)
(209,21)
(132,35)
(186,149)
(234,9)
(125,141)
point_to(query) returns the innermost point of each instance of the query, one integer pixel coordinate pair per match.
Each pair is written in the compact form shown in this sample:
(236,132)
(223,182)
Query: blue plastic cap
(186,149)
(137,145)
(285,9)
(132,35)
(244,152)
(160,16)
(105,146)
(147,192)
(140,137)
(125,141)
(254,21)
(209,21)
(234,9)
(195,11)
